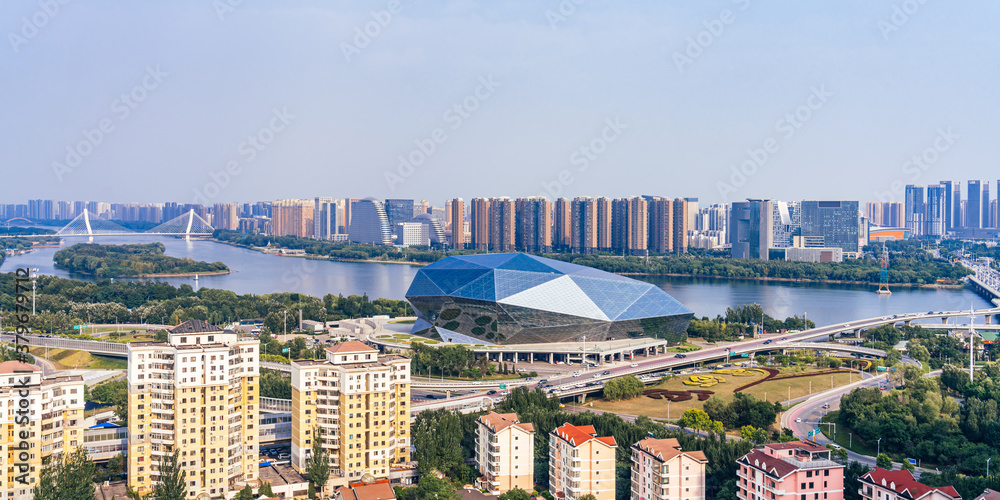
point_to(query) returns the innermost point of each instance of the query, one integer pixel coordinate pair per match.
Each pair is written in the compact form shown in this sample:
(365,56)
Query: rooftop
(667,449)
(280,475)
(351,346)
(500,421)
(18,367)
(577,435)
(901,481)
(194,326)
(373,491)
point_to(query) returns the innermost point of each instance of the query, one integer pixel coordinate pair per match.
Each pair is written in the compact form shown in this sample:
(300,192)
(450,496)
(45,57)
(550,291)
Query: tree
(623,388)
(852,484)
(908,466)
(754,435)
(171,485)
(698,419)
(884,461)
(116,465)
(311,490)
(588,496)
(265,490)
(431,486)
(246,493)
(515,494)
(71,478)
(318,464)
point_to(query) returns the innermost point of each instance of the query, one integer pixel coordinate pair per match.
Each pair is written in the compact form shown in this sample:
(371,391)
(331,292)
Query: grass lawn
(685,347)
(843,436)
(65,359)
(658,408)
(404,321)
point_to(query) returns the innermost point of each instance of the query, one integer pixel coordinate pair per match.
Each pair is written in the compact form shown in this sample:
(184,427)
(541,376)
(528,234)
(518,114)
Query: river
(258,273)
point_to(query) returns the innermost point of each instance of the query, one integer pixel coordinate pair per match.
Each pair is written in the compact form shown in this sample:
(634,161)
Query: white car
(799,420)
(635,365)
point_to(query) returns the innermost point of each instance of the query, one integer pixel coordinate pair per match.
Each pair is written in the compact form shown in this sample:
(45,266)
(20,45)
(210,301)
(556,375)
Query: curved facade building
(369,223)
(515,298)
(434,228)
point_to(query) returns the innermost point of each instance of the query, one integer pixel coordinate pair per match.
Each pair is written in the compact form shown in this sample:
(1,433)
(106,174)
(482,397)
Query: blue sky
(554,97)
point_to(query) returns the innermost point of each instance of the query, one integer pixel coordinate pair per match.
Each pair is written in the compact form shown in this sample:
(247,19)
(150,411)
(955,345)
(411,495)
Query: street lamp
(879,448)
(850,441)
(988,466)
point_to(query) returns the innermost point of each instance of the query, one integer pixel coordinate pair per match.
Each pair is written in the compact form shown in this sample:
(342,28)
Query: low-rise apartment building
(795,470)
(581,463)
(881,484)
(662,471)
(505,453)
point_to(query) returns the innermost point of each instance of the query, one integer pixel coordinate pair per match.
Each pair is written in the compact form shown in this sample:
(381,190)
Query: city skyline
(262,101)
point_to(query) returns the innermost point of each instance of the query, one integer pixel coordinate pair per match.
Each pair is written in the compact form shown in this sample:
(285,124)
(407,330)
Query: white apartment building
(662,471)
(581,463)
(505,453)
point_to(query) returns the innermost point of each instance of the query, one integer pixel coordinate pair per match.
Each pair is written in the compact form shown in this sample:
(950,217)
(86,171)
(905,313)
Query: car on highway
(799,420)
(490,393)
(784,338)
(768,341)
(597,375)
(680,356)
(473,390)
(433,396)
(542,381)
(606,372)
(635,365)
(825,406)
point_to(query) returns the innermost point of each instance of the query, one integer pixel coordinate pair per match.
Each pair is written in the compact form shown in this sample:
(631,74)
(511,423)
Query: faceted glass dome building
(515,298)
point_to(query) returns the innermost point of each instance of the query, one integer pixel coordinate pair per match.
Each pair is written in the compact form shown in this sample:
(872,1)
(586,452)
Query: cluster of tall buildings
(807,230)
(941,209)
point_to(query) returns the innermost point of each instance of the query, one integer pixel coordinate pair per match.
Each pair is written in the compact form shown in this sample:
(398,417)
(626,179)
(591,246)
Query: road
(806,416)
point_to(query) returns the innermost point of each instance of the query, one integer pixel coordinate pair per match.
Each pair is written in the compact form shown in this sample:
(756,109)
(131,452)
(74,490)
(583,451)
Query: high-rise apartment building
(662,471)
(583,230)
(54,426)
(682,223)
(502,225)
(562,223)
(832,224)
(324,218)
(479,224)
(226,216)
(581,463)
(973,209)
(949,209)
(602,206)
(630,226)
(934,211)
(358,403)
(661,224)
(957,214)
(457,224)
(534,224)
(505,453)
(369,223)
(196,394)
(985,202)
(750,229)
(881,484)
(789,471)
(399,210)
(292,218)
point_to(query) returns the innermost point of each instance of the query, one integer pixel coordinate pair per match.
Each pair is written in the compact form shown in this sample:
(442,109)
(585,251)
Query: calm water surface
(258,273)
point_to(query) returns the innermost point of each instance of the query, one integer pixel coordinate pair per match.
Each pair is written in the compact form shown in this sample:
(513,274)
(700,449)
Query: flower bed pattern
(773,374)
(677,396)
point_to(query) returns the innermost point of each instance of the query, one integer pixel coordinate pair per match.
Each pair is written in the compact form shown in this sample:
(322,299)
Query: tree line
(126,261)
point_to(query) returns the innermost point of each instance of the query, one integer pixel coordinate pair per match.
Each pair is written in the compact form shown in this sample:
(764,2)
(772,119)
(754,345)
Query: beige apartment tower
(197,394)
(505,453)
(457,223)
(52,422)
(661,471)
(581,463)
(358,402)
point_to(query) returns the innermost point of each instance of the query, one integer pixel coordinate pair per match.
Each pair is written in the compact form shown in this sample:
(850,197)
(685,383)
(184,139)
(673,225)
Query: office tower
(196,394)
(479,226)
(349,212)
(934,211)
(339,210)
(324,218)
(831,224)
(502,224)
(786,223)
(433,228)
(914,206)
(399,210)
(797,469)
(661,224)
(583,230)
(446,219)
(682,220)
(957,215)
(457,224)
(580,463)
(949,209)
(292,218)
(369,223)
(881,484)
(973,209)
(55,423)
(562,222)
(411,234)
(533,232)
(358,403)
(692,210)
(985,202)
(750,229)
(505,453)
(602,206)
(662,471)
(225,216)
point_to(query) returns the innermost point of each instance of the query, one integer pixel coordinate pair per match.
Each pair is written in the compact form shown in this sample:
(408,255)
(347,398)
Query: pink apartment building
(797,470)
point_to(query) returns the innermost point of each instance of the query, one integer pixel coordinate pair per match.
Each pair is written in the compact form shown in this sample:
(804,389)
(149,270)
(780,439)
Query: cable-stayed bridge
(88,225)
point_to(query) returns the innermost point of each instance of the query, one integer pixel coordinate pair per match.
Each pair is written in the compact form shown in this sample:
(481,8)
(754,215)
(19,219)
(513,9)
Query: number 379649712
(22,302)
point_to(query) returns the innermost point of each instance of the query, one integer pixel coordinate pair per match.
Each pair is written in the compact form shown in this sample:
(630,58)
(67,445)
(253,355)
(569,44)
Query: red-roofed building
(379,490)
(581,463)
(797,470)
(505,453)
(881,484)
(661,471)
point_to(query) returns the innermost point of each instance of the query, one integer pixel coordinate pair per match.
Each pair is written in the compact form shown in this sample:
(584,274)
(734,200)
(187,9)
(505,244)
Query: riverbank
(318,257)
(181,275)
(796,280)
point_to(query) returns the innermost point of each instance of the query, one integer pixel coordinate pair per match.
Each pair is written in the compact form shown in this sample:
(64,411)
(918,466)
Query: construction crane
(883,281)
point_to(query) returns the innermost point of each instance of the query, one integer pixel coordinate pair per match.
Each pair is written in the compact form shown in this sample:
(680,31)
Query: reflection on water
(258,273)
